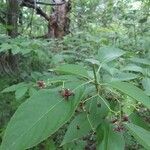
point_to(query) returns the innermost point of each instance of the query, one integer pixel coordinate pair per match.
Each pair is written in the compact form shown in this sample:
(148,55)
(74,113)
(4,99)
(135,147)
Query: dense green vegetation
(89,89)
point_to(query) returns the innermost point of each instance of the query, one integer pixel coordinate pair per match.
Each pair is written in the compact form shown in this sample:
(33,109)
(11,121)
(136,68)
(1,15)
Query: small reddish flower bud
(41,84)
(66,93)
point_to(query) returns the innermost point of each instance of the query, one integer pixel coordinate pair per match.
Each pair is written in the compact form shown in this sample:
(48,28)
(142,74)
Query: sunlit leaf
(146,85)
(72,69)
(132,91)
(133,68)
(39,117)
(106,54)
(141,61)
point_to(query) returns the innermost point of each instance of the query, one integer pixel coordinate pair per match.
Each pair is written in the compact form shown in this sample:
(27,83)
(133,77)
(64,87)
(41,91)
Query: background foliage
(105,61)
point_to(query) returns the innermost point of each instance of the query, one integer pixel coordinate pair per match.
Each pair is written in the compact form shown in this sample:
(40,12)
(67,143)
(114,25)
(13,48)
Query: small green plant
(101,102)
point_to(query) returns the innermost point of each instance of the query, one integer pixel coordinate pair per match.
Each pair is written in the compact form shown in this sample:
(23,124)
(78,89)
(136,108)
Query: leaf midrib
(35,123)
(41,118)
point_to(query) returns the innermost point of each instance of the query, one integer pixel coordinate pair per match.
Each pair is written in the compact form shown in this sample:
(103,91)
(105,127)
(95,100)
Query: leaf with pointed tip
(14,87)
(20,92)
(132,91)
(121,76)
(146,85)
(133,68)
(107,54)
(39,117)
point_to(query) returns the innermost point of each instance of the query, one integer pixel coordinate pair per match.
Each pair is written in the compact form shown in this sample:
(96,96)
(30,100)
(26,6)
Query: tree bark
(8,61)
(12,18)
(59,21)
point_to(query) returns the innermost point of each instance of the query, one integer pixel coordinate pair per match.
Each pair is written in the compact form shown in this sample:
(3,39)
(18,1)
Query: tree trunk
(12,17)
(8,61)
(59,22)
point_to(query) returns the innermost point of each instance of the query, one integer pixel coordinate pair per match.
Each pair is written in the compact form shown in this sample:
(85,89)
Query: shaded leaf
(77,128)
(50,145)
(14,87)
(20,92)
(108,139)
(85,122)
(140,134)
(137,120)
(128,104)
(76,145)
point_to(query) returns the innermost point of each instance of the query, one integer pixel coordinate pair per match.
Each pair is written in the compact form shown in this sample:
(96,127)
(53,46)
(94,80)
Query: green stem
(95,79)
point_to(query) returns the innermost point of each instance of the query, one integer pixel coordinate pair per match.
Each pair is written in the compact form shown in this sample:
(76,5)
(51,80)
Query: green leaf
(140,134)
(9,89)
(137,120)
(146,85)
(58,58)
(132,91)
(50,145)
(93,61)
(141,61)
(121,76)
(77,128)
(84,123)
(128,104)
(32,91)
(76,145)
(14,87)
(97,110)
(146,72)
(16,49)
(106,54)
(20,92)
(133,68)
(39,117)
(5,46)
(72,69)
(108,139)
(110,69)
